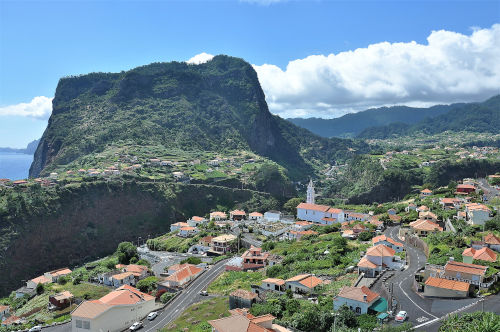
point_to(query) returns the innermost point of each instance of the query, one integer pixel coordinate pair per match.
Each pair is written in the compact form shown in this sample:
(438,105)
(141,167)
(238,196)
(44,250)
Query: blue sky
(41,41)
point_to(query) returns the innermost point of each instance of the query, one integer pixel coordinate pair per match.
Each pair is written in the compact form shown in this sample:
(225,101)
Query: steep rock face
(216,106)
(77,224)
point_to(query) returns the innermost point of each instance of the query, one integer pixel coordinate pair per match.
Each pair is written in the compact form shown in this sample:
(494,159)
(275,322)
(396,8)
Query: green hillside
(475,117)
(352,124)
(217,106)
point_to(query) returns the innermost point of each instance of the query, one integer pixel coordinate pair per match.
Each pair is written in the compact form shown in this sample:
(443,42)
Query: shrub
(165,297)
(191,260)
(147,285)
(40,289)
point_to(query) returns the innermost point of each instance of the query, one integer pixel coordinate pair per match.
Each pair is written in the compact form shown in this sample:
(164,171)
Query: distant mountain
(350,125)
(474,117)
(30,148)
(216,106)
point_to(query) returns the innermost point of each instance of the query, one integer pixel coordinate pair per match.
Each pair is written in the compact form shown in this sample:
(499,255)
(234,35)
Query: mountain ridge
(215,106)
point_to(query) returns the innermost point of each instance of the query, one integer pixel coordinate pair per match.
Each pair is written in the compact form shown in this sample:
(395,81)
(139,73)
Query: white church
(320,214)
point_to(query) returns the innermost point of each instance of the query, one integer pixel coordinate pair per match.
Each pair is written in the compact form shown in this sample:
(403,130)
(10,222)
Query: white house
(272,215)
(113,312)
(177,226)
(195,221)
(477,214)
(273,284)
(124,278)
(303,283)
(182,276)
(358,299)
(188,231)
(377,258)
(255,216)
(218,216)
(56,274)
(387,241)
(312,212)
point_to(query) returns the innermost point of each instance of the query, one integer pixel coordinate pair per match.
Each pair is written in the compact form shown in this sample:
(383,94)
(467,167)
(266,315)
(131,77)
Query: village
(439,244)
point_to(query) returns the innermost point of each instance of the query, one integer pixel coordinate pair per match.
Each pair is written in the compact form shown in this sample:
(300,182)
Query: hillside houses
(378,258)
(361,300)
(477,214)
(490,240)
(423,227)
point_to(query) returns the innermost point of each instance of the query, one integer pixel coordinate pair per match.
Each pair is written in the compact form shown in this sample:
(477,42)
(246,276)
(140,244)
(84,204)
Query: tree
(125,252)
(191,260)
(493,224)
(291,205)
(40,289)
(143,262)
(365,236)
(147,285)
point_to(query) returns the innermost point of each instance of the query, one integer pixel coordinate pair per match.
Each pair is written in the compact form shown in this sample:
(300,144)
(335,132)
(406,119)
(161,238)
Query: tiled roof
(90,309)
(238,213)
(477,206)
(278,282)
(485,254)
(256,214)
(426,191)
(3,307)
(134,268)
(491,239)
(184,273)
(298,277)
(181,224)
(41,280)
(425,225)
(474,269)
(423,208)
(243,294)
(218,213)
(380,238)
(329,219)
(311,282)
(466,186)
(364,262)
(122,276)
(125,295)
(469,252)
(333,210)
(63,296)
(315,207)
(236,323)
(196,218)
(224,238)
(447,284)
(188,228)
(425,214)
(380,250)
(60,272)
(358,294)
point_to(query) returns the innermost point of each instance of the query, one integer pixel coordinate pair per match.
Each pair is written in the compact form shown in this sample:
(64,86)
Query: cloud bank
(451,67)
(38,108)
(200,58)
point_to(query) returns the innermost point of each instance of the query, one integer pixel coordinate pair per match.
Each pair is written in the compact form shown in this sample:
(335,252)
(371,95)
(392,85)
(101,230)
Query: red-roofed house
(477,214)
(438,287)
(387,241)
(241,321)
(303,283)
(312,212)
(237,215)
(188,231)
(255,216)
(182,276)
(424,227)
(195,221)
(358,299)
(425,192)
(378,258)
(178,225)
(465,188)
(483,254)
(113,312)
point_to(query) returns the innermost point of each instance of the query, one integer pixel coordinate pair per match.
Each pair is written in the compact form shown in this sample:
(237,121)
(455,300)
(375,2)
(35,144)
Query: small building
(38,280)
(422,208)
(124,278)
(182,276)
(218,216)
(392,212)
(242,321)
(483,254)
(438,287)
(450,203)
(206,241)
(255,216)
(254,257)
(272,215)
(56,274)
(424,227)
(425,192)
(177,226)
(297,235)
(492,241)
(411,207)
(237,215)
(113,312)
(302,225)
(303,283)
(60,300)
(477,214)
(470,273)
(4,312)
(188,231)
(241,298)
(387,241)
(465,188)
(195,221)
(223,243)
(139,271)
(361,300)
(273,284)
(428,215)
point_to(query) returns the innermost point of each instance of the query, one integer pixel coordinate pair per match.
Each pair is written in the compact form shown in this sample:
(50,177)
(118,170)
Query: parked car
(204,293)
(135,326)
(36,328)
(152,315)
(401,316)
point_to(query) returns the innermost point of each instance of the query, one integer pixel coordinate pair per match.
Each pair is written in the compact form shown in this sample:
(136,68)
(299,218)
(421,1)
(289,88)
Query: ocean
(14,166)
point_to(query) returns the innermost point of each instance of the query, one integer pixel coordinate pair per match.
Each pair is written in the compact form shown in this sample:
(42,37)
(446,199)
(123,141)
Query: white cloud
(200,58)
(451,67)
(39,108)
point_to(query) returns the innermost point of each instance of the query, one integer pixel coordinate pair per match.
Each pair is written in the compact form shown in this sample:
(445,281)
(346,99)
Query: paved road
(489,191)
(189,296)
(175,308)
(425,312)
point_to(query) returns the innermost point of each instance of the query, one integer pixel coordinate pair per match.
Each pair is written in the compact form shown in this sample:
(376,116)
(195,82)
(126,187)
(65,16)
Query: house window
(86,325)
(358,310)
(78,324)
(458,275)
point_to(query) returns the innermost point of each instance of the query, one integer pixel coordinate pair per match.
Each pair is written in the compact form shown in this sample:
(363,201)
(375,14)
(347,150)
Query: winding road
(426,313)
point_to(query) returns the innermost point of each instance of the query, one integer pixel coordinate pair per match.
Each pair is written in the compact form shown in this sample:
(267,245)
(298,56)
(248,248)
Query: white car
(152,315)
(401,316)
(37,328)
(135,326)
